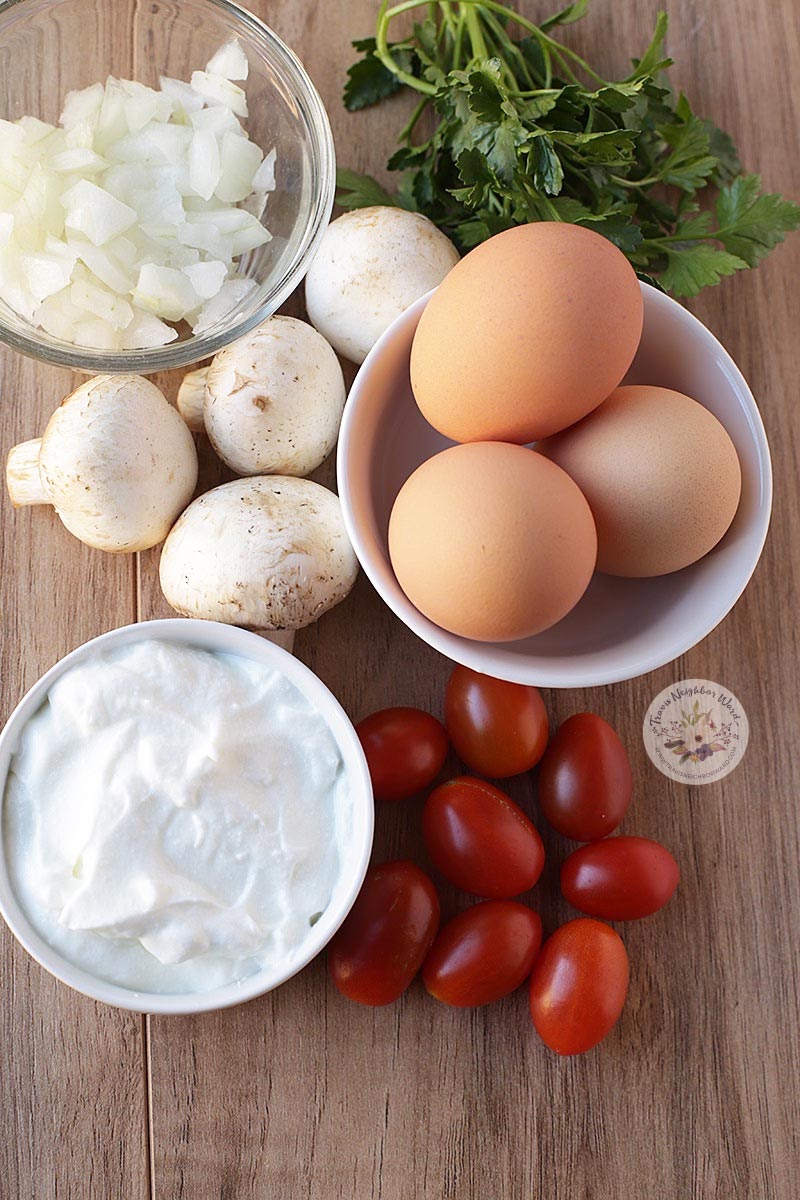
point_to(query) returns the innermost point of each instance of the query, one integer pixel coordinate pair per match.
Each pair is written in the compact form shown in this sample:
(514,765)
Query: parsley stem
(449,22)
(407,130)
(557,50)
(510,51)
(382,52)
(479,47)
(707,235)
(455,27)
(458,48)
(495,46)
(635,183)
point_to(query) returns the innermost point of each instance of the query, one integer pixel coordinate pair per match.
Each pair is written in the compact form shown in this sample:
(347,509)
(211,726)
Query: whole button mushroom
(371,264)
(268,553)
(271,403)
(115,461)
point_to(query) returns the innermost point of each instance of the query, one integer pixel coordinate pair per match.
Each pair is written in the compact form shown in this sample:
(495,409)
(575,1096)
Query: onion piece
(96,213)
(164,291)
(83,106)
(218,90)
(230,295)
(239,161)
(207,277)
(145,332)
(230,61)
(204,163)
(81,158)
(185,99)
(264,178)
(100,302)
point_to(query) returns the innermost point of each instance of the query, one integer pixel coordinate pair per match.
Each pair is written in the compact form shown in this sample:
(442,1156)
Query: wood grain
(300,1094)
(72,1081)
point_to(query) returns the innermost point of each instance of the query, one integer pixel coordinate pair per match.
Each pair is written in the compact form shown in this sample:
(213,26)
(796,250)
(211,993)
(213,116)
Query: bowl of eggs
(551,472)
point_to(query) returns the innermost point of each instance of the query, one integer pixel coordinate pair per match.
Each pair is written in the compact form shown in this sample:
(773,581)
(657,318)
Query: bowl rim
(185,353)
(211,635)
(478,655)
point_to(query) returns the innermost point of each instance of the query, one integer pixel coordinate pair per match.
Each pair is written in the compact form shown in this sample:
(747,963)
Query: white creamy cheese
(173,817)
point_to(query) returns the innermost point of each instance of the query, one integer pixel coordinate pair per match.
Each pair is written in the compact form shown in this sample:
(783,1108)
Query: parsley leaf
(692,266)
(359,191)
(573,12)
(368,80)
(750,222)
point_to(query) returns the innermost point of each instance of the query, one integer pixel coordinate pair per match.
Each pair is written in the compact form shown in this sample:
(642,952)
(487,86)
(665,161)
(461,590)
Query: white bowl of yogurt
(187,817)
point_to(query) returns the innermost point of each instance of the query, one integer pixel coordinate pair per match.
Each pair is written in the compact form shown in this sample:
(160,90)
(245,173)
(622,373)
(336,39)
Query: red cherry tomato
(585,779)
(578,985)
(405,750)
(483,954)
(384,939)
(480,840)
(497,728)
(620,878)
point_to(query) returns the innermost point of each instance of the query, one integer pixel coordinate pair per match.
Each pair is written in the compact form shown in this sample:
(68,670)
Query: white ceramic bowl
(223,638)
(622,627)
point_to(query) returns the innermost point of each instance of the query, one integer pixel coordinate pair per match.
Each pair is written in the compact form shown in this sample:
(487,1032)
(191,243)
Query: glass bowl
(50,47)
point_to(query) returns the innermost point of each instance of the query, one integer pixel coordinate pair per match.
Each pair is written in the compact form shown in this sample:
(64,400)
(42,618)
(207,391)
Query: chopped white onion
(216,90)
(95,212)
(165,291)
(204,163)
(230,61)
(45,274)
(83,107)
(239,161)
(264,178)
(101,302)
(207,278)
(184,98)
(6,227)
(35,130)
(104,267)
(124,216)
(219,120)
(146,331)
(96,334)
(231,294)
(80,159)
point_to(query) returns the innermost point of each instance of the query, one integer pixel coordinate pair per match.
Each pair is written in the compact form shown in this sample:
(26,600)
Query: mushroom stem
(280,637)
(22,474)
(191,396)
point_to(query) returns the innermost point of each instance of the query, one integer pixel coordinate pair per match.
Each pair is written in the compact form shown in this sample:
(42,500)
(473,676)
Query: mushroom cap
(274,400)
(117,463)
(268,552)
(371,264)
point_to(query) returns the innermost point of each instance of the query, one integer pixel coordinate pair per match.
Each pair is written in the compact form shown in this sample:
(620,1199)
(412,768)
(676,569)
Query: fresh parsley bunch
(523,129)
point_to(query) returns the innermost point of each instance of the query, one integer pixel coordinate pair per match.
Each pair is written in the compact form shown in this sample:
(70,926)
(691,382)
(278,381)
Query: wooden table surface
(302,1094)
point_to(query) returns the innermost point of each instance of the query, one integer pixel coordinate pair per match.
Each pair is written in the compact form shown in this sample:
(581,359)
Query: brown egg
(661,475)
(526,335)
(492,541)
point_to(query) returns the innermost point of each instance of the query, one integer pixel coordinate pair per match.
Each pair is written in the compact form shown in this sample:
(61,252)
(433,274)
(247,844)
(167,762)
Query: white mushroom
(270,552)
(372,264)
(272,402)
(116,462)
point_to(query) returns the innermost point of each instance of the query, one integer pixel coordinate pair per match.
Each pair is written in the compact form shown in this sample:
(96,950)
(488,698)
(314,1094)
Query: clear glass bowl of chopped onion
(166,172)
